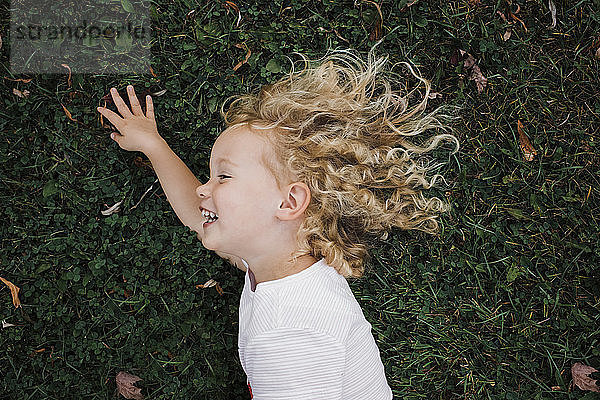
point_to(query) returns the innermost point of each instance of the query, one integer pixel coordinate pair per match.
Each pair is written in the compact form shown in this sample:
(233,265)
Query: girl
(296,195)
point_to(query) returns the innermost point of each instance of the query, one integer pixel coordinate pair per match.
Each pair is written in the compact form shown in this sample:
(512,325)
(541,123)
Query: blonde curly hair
(338,126)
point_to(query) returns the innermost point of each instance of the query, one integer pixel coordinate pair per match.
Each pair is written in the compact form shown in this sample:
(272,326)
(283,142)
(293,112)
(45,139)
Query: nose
(201,191)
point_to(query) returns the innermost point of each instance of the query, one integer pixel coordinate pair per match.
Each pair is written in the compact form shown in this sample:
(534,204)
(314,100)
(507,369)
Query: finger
(133,100)
(149,107)
(121,106)
(113,117)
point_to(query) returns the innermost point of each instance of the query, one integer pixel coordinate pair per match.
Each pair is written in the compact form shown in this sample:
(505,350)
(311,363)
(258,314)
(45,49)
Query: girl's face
(241,192)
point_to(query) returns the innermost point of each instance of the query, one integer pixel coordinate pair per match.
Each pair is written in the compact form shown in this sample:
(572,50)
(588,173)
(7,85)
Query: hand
(137,132)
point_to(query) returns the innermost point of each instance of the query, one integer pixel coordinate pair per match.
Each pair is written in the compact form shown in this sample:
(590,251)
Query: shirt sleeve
(295,364)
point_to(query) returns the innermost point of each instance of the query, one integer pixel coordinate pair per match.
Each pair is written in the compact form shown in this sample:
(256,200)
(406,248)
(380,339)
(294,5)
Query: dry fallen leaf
(475,75)
(231,4)
(553,12)
(24,93)
(68,114)
(479,79)
(376,32)
(19,80)
(507,34)
(529,151)
(14,291)
(34,352)
(248,52)
(210,283)
(113,209)
(6,324)
(144,195)
(126,387)
(513,16)
(501,16)
(581,377)
(69,78)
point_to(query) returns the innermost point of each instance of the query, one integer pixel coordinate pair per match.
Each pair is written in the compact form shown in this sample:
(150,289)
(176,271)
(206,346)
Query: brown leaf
(475,75)
(14,291)
(19,80)
(24,93)
(34,352)
(479,79)
(210,283)
(219,289)
(376,32)
(68,113)
(232,5)
(581,377)
(529,151)
(152,72)
(69,68)
(126,387)
(248,52)
(507,34)
(469,61)
(513,16)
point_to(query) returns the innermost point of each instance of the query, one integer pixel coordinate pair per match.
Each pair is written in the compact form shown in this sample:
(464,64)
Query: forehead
(238,145)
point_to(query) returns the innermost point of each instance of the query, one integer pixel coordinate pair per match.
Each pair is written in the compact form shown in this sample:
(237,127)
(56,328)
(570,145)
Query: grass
(499,306)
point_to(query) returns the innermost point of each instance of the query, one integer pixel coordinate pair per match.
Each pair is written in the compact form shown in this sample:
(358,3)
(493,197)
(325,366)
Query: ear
(295,202)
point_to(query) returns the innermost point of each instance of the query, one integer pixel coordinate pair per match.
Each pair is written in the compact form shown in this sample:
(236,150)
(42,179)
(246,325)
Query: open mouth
(210,216)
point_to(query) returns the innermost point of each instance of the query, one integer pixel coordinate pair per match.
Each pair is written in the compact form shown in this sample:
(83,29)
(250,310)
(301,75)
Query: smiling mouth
(207,223)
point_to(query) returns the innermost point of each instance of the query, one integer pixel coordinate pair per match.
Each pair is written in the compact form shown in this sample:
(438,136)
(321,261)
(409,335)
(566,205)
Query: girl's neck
(263,273)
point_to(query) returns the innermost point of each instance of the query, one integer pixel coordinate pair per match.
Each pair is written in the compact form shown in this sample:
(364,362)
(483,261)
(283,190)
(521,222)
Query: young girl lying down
(310,171)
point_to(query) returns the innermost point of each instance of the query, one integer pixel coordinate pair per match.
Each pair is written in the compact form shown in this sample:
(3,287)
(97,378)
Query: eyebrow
(225,161)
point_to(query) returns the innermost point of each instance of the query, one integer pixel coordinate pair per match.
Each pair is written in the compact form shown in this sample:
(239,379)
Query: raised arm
(138,132)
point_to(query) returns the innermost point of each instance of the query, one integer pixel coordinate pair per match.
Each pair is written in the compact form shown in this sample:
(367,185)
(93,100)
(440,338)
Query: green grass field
(499,306)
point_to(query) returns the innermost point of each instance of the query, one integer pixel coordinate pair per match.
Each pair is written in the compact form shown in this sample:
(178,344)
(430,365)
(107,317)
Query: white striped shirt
(305,337)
